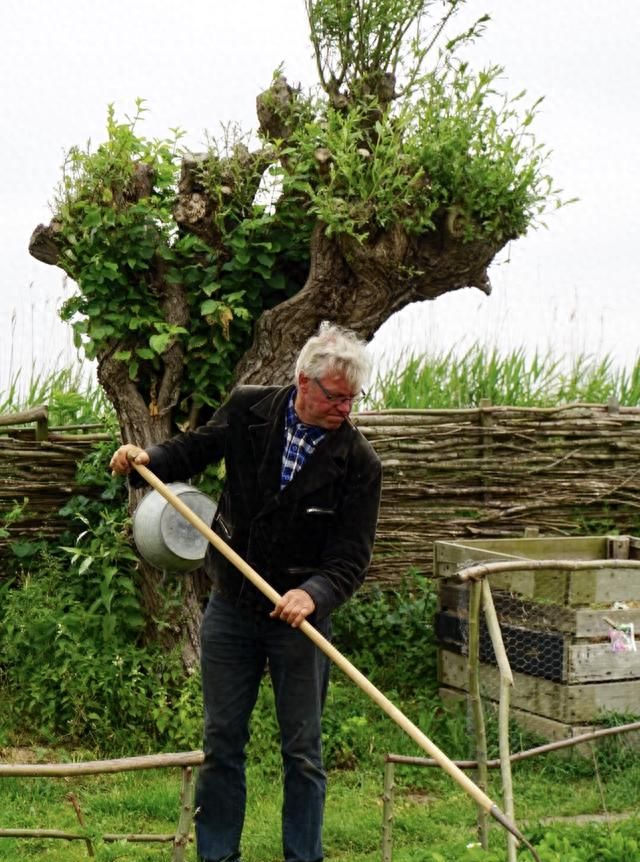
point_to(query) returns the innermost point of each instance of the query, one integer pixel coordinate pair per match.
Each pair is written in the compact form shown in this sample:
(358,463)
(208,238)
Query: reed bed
(71,394)
(449,380)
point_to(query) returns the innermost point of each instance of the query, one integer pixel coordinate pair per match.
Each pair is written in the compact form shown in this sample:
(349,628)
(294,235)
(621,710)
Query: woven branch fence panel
(38,465)
(448,474)
(496,471)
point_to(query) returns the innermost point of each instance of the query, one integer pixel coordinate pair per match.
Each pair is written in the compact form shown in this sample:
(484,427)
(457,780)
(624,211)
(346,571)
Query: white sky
(199,64)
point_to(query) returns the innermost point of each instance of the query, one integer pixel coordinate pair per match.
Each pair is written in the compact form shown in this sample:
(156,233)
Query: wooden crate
(555,625)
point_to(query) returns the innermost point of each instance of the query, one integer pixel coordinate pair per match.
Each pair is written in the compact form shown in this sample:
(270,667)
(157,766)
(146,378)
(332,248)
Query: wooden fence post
(486,423)
(183,829)
(387,811)
(475,701)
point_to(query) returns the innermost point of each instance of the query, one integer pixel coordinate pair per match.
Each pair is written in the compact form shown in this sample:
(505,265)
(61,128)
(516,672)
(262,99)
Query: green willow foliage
(457,147)
(112,241)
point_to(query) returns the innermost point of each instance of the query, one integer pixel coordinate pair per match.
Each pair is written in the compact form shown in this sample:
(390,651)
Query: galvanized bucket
(163,537)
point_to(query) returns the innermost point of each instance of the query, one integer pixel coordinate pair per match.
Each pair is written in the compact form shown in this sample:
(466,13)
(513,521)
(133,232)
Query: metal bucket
(163,537)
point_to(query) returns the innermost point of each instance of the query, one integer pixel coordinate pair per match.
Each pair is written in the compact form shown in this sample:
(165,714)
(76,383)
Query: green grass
(451,381)
(430,812)
(432,815)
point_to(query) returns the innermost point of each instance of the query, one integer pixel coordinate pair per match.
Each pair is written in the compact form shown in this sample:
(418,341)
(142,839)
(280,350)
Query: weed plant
(389,634)
(76,668)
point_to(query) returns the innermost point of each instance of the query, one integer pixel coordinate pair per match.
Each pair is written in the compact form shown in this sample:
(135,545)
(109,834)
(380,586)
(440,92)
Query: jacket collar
(267,435)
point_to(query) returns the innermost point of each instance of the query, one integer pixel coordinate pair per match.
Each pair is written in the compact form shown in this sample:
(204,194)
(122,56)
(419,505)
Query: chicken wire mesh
(568,634)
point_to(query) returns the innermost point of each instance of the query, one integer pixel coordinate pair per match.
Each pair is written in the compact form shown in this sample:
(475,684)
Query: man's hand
(122,458)
(294,607)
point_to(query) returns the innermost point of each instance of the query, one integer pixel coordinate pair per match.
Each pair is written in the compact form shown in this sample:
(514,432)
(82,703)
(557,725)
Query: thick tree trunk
(146,424)
(360,285)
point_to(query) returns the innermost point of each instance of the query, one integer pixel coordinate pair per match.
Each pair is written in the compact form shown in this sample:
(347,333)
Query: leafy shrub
(388,634)
(74,667)
(590,844)
(74,664)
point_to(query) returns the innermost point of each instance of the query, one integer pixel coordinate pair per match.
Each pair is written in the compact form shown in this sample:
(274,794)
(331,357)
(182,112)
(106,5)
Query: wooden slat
(25,417)
(571,704)
(597,662)
(591,622)
(604,586)
(548,728)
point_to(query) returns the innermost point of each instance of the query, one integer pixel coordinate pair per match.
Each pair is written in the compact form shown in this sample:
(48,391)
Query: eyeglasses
(339,399)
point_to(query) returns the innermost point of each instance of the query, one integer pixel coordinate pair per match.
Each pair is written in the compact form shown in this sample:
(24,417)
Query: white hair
(335,350)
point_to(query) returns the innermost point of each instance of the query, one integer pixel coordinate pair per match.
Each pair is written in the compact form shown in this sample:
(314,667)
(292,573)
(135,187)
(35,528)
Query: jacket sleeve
(187,454)
(349,547)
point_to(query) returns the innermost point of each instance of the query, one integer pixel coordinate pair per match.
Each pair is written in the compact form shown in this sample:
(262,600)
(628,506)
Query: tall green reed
(71,394)
(442,380)
(446,380)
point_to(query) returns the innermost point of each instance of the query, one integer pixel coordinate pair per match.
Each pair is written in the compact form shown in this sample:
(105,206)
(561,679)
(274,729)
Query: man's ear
(303,381)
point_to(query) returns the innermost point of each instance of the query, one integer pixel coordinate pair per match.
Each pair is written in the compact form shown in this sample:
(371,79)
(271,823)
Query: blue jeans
(235,648)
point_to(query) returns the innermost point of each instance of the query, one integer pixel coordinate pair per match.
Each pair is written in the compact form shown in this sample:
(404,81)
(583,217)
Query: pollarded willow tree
(396,180)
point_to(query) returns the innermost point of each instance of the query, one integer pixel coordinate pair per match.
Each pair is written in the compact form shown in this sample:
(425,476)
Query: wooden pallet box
(561,629)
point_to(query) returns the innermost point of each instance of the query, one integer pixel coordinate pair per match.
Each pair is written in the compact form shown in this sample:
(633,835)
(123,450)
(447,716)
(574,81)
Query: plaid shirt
(300,441)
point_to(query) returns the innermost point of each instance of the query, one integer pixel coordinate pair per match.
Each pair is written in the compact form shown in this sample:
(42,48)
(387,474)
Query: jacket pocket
(300,572)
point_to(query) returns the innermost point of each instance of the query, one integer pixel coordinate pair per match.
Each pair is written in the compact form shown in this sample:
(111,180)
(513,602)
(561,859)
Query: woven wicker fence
(485,472)
(497,471)
(38,464)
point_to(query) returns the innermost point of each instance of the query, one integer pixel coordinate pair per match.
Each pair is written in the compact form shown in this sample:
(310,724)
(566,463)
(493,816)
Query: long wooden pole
(506,684)
(477,712)
(337,658)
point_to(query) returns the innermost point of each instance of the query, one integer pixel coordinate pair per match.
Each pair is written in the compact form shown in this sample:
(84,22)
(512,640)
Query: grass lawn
(431,815)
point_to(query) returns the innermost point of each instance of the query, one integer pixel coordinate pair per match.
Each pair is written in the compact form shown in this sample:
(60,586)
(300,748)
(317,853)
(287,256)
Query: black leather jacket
(317,533)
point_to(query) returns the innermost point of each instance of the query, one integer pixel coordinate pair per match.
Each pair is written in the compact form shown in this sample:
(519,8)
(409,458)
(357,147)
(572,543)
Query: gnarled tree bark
(361,285)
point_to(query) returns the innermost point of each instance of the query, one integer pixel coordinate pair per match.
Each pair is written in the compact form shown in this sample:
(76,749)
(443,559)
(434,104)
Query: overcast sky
(199,64)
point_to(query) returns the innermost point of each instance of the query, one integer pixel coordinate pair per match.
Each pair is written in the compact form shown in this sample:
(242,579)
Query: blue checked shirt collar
(300,441)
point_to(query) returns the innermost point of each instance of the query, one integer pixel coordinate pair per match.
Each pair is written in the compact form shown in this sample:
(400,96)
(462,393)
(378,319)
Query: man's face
(324,401)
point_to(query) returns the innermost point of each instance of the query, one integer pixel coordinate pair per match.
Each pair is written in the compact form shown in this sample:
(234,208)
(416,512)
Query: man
(300,505)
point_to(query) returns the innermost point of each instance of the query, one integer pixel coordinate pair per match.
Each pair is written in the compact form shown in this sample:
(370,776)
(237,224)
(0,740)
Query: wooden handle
(344,664)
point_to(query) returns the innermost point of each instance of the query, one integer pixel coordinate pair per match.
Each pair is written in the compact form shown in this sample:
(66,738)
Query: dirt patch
(22,754)
(418,797)
(18,755)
